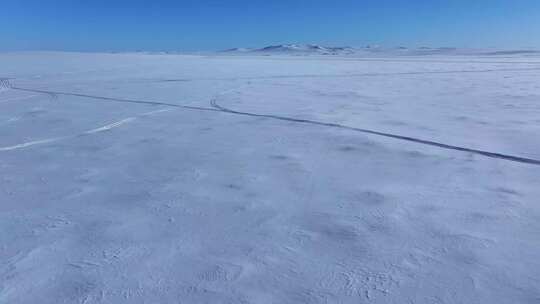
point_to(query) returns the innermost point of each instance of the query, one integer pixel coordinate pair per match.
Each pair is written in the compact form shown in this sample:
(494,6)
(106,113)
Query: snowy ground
(133,178)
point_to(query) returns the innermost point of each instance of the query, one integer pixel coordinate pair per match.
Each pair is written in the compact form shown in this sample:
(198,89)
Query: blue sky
(98,25)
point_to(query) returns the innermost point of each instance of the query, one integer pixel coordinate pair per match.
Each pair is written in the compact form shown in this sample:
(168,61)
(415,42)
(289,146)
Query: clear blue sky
(118,25)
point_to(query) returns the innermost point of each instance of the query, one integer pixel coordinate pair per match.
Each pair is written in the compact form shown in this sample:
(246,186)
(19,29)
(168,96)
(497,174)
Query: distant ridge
(295,49)
(315,49)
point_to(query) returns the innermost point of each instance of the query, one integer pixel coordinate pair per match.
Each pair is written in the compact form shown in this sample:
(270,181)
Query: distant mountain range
(314,49)
(295,48)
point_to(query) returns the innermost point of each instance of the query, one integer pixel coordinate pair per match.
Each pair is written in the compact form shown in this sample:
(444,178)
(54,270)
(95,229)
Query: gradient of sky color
(117,25)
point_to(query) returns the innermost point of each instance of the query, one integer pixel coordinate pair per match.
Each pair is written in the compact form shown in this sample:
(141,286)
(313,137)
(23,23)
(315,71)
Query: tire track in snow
(383,134)
(126,100)
(89,132)
(218,108)
(5,84)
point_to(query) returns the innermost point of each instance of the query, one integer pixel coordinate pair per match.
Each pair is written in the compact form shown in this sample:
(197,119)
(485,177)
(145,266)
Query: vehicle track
(126,100)
(513,158)
(216,107)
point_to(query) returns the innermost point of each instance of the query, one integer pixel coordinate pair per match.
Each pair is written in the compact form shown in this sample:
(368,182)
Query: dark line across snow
(217,108)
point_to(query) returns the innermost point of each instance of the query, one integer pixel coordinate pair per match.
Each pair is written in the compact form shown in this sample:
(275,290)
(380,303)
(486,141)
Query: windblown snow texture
(406,177)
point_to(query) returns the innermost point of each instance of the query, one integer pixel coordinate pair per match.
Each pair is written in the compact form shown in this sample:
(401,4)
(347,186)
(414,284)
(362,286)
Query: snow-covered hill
(315,49)
(295,49)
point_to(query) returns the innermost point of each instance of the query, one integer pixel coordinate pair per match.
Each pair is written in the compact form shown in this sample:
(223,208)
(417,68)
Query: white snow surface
(137,178)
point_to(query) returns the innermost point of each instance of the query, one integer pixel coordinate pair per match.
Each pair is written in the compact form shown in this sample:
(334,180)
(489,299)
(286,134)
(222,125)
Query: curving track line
(218,108)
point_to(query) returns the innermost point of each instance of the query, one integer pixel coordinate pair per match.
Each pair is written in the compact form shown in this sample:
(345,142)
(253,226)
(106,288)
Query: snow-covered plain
(136,178)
